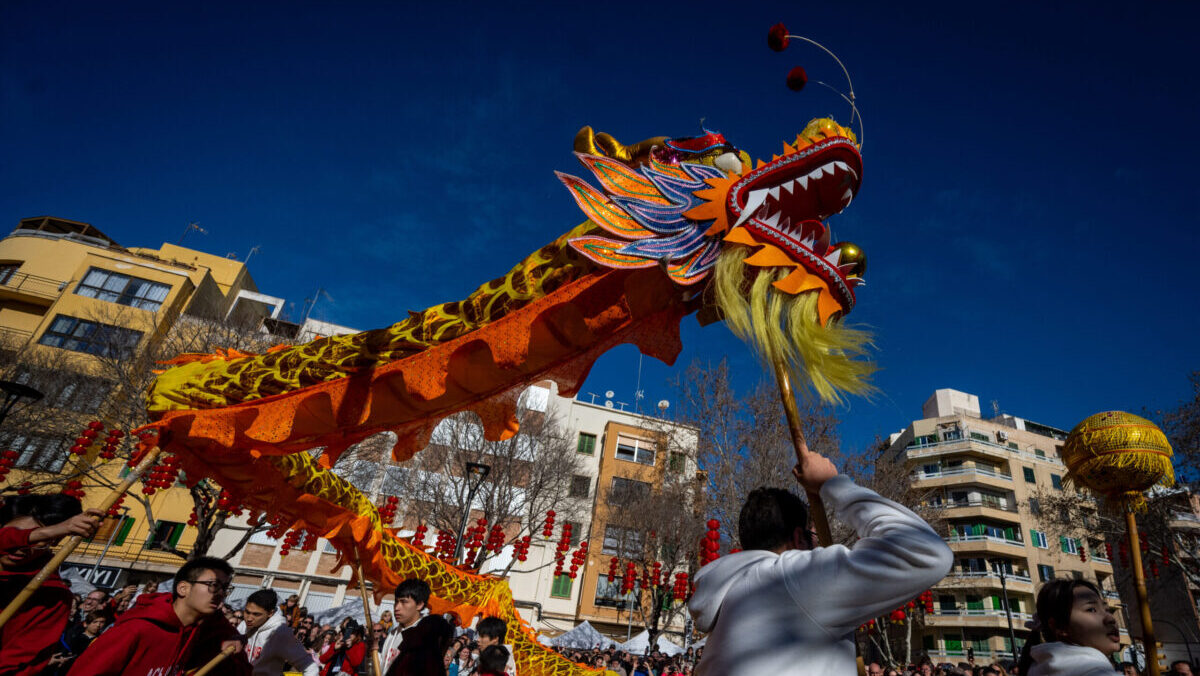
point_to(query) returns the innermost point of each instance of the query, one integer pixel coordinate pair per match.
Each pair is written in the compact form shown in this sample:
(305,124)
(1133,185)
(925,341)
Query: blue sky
(1028,205)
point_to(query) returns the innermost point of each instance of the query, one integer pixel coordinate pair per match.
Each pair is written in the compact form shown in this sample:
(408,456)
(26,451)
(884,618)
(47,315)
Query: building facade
(989,477)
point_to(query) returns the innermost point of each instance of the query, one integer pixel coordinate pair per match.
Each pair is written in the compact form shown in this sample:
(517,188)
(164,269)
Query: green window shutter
(124,532)
(175,534)
(996,605)
(587,443)
(1062,542)
(1033,536)
(562,586)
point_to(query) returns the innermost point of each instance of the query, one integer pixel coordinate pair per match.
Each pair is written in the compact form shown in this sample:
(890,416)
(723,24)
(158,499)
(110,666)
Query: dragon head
(697,207)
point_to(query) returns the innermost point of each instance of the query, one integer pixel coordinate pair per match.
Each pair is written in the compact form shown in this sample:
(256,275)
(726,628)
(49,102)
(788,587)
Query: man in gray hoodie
(783,606)
(270,643)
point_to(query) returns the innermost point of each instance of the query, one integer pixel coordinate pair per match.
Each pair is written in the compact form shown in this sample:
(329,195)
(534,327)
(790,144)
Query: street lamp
(476,473)
(1012,637)
(14,392)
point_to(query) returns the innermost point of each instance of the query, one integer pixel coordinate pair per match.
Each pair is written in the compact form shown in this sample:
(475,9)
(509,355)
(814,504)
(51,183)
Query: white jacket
(795,613)
(1064,659)
(273,645)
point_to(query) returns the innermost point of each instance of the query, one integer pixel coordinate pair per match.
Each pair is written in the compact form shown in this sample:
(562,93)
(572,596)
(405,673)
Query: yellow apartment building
(987,476)
(72,298)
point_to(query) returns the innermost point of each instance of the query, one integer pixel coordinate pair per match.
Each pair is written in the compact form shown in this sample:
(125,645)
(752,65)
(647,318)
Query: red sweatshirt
(30,638)
(353,658)
(149,640)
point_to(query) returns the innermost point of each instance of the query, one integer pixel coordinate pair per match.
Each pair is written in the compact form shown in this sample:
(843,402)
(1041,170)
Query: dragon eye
(728,163)
(851,254)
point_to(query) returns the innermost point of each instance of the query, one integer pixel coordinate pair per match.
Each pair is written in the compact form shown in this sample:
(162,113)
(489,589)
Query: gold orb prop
(1118,455)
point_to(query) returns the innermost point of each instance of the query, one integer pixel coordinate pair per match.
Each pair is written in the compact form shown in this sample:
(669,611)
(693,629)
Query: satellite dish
(609,394)
(608,404)
(664,405)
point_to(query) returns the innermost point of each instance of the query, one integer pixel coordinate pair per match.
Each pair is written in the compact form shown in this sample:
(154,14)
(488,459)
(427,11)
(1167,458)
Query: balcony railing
(985,502)
(32,285)
(980,612)
(916,451)
(1015,577)
(960,471)
(983,538)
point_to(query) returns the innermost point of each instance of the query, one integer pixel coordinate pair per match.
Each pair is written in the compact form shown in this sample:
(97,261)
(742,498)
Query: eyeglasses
(215,586)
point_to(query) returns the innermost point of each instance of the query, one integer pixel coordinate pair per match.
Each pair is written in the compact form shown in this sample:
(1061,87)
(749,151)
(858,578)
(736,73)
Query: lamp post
(1012,636)
(476,473)
(14,392)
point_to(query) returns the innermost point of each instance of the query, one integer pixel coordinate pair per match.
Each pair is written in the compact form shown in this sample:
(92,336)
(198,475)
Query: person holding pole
(424,638)
(785,606)
(166,634)
(29,526)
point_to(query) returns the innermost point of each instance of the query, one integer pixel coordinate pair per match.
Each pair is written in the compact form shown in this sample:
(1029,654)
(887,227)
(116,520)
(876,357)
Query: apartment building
(990,477)
(73,302)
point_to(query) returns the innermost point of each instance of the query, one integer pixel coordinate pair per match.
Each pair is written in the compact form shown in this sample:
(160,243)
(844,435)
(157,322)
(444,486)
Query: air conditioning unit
(1002,436)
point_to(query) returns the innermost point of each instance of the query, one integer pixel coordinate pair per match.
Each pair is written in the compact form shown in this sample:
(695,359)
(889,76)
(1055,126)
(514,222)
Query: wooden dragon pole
(816,506)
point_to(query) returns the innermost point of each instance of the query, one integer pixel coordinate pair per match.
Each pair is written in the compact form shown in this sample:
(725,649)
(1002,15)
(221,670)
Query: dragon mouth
(812,183)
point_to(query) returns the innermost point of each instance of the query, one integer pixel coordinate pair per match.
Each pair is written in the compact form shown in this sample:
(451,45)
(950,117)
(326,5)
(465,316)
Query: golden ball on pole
(1118,455)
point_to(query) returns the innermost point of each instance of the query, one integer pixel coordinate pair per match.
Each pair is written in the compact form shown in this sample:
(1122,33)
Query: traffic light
(1164,665)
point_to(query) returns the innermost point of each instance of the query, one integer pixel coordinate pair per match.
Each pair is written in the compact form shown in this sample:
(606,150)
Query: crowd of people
(783,605)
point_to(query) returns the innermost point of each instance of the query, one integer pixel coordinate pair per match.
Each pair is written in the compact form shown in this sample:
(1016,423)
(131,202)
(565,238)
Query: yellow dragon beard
(785,328)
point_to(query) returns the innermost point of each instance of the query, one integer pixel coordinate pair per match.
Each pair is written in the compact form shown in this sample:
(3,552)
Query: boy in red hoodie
(169,634)
(31,523)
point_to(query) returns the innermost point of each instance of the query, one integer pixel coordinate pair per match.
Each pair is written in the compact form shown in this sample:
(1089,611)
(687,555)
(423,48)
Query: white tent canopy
(583,636)
(638,644)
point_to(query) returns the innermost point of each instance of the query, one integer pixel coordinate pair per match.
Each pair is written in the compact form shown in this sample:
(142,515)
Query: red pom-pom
(796,79)
(95,425)
(713,524)
(777,38)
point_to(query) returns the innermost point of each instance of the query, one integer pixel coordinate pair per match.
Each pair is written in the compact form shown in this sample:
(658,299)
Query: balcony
(985,508)
(30,288)
(975,617)
(1011,579)
(971,445)
(986,543)
(957,475)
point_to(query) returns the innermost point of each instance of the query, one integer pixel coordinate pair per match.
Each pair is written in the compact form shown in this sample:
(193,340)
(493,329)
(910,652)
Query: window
(1038,538)
(624,491)
(678,462)
(608,593)
(39,453)
(623,542)
(1045,573)
(636,450)
(123,289)
(1068,545)
(1029,476)
(952,434)
(166,534)
(979,436)
(7,270)
(562,586)
(1035,507)
(80,335)
(1014,445)
(1056,481)
(581,486)
(925,440)
(586,444)
(974,602)
(1039,452)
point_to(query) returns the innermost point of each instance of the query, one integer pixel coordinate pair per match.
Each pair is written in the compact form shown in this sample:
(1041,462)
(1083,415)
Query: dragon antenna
(778,38)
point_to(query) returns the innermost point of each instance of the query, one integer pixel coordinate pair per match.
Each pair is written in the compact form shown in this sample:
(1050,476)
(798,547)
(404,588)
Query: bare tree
(103,375)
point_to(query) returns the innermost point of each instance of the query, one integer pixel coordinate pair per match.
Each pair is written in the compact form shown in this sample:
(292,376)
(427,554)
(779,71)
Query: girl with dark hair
(1073,632)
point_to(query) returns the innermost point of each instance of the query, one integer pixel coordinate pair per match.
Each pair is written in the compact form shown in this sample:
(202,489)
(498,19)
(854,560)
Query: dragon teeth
(753,202)
(803,181)
(772,220)
(774,193)
(834,257)
(789,187)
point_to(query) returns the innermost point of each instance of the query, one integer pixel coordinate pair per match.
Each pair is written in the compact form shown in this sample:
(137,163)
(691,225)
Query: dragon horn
(591,143)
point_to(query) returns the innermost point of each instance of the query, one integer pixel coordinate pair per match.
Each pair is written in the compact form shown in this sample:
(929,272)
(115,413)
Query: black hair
(1054,602)
(46,508)
(412,588)
(191,570)
(770,518)
(492,627)
(1181,662)
(493,659)
(265,599)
